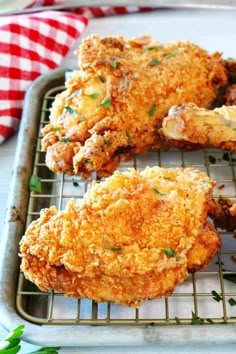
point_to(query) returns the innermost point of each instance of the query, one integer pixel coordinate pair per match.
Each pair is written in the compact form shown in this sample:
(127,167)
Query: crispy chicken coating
(189,127)
(133,237)
(114,104)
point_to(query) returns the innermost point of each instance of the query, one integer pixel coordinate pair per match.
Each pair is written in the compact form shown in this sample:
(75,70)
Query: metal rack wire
(206,297)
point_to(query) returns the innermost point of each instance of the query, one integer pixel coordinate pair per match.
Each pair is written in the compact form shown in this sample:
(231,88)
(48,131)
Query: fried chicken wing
(114,104)
(190,127)
(133,237)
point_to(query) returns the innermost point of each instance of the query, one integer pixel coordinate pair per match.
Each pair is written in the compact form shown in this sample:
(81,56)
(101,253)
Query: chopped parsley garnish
(115,249)
(196,320)
(158,192)
(217,297)
(56,129)
(129,138)
(232,302)
(35,184)
(177,320)
(155,61)
(71,111)
(230,277)
(114,64)
(170,252)
(107,142)
(152,110)
(100,78)
(152,48)
(65,139)
(106,103)
(226,157)
(75,93)
(82,118)
(212,159)
(230,58)
(94,95)
(170,54)
(209,320)
(234,129)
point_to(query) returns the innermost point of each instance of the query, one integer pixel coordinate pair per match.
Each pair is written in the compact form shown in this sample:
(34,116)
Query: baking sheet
(155,322)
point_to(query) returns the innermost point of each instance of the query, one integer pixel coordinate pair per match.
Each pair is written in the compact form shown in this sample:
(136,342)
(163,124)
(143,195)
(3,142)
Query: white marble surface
(214,30)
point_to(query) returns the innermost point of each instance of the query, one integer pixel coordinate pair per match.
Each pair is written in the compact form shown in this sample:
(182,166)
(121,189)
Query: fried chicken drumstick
(113,106)
(133,237)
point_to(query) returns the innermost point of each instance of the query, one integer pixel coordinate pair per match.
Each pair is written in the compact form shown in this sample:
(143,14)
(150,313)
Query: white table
(213,30)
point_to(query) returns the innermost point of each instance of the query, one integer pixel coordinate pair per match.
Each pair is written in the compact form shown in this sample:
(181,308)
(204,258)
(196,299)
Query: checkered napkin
(31,45)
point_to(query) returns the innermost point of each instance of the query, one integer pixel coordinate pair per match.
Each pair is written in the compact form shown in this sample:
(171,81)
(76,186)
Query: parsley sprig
(35,184)
(11,344)
(170,252)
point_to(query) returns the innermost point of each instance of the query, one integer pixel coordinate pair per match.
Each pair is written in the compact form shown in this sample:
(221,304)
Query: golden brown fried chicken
(133,237)
(114,104)
(190,127)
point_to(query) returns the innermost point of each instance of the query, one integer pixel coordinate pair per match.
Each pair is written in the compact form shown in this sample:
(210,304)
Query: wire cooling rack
(206,297)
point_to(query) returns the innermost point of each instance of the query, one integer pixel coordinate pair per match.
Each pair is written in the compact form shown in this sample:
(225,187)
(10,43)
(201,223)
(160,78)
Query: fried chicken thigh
(133,237)
(113,106)
(189,127)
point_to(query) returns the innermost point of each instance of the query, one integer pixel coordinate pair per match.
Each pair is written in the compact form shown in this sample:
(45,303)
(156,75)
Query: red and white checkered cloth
(33,44)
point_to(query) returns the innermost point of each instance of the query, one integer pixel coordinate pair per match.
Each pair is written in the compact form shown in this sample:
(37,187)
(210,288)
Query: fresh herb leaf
(65,139)
(217,297)
(232,302)
(107,142)
(82,118)
(100,78)
(234,129)
(71,111)
(155,61)
(56,129)
(212,159)
(226,157)
(181,66)
(230,277)
(106,103)
(115,249)
(148,49)
(35,184)
(94,95)
(129,138)
(209,320)
(170,252)
(152,110)
(170,54)
(11,344)
(196,320)
(158,192)
(177,320)
(114,64)
(75,93)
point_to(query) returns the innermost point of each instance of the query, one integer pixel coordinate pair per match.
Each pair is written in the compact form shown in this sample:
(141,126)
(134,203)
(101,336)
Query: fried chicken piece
(133,237)
(114,104)
(189,127)
(230,95)
(223,213)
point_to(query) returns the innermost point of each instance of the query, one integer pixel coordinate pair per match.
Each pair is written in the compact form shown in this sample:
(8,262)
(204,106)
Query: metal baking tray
(191,315)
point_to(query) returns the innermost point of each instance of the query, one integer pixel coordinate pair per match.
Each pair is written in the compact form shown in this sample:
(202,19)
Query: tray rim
(81,335)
